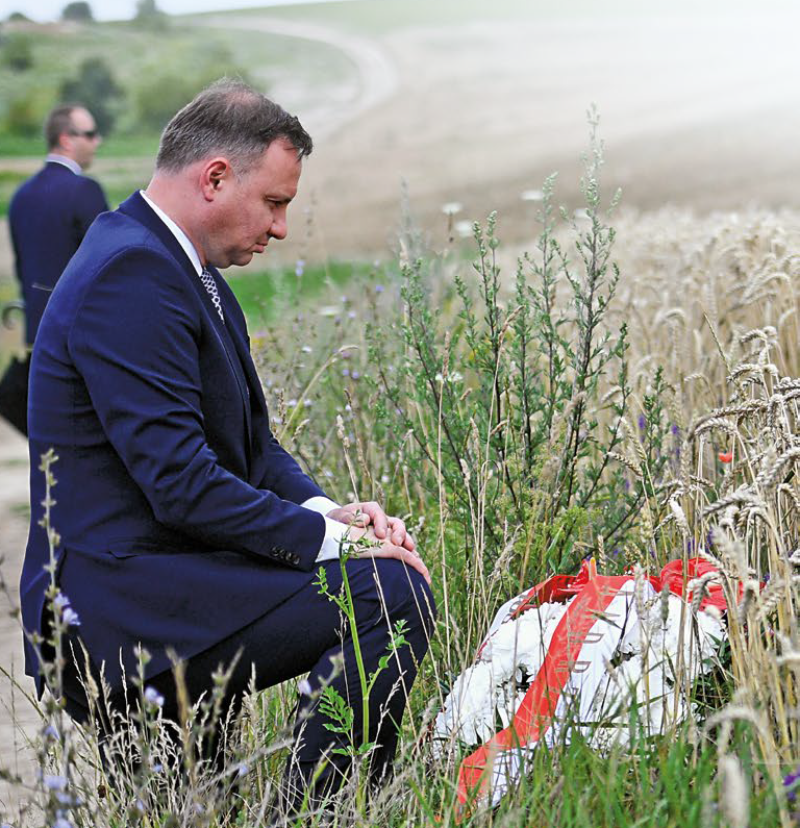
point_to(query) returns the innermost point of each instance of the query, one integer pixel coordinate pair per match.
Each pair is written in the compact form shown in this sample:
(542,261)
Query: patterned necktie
(211,286)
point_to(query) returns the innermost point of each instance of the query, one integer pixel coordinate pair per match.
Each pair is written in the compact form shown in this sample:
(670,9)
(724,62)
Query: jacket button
(295,559)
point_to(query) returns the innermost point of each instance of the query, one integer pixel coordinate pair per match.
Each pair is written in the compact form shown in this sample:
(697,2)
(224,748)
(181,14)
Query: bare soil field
(701,112)
(698,111)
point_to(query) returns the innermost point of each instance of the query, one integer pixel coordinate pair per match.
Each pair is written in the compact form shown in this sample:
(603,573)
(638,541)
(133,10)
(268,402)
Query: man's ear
(214,175)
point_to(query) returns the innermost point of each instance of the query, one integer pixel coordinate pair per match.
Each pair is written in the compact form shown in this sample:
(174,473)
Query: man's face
(250,209)
(82,140)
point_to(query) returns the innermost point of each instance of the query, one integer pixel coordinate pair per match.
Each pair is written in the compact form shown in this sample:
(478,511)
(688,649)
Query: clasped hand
(370,521)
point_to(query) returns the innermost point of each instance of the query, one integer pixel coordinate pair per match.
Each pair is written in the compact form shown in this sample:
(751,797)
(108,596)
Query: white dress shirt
(334,530)
(55,158)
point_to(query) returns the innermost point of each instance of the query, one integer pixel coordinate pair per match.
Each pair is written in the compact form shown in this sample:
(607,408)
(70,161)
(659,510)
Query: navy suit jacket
(178,511)
(48,217)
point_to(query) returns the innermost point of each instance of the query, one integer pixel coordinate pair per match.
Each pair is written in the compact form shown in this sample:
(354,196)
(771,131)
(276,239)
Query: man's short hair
(228,118)
(58,122)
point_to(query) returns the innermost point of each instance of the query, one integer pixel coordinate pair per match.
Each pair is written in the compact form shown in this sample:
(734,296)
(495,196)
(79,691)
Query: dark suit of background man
(183,522)
(48,218)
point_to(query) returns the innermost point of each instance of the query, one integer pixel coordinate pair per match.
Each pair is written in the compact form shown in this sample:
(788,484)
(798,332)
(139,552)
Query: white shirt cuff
(320,504)
(334,532)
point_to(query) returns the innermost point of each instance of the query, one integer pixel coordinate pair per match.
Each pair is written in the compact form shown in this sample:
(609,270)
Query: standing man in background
(48,218)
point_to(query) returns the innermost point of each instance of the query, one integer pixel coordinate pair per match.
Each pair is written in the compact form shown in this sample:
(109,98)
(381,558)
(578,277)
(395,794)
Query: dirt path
(373,81)
(17,717)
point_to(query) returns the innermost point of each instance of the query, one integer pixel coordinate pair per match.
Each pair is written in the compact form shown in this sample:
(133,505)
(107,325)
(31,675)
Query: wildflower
(304,687)
(60,601)
(355,375)
(726,456)
(452,207)
(676,429)
(299,268)
(243,769)
(351,314)
(379,288)
(62,822)
(453,376)
(152,696)
(158,767)
(54,783)
(291,403)
(139,805)
(463,228)
(306,349)
(50,733)
(70,617)
(642,422)
(790,785)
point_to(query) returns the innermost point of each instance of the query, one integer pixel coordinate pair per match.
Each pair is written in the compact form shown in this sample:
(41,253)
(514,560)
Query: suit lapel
(137,208)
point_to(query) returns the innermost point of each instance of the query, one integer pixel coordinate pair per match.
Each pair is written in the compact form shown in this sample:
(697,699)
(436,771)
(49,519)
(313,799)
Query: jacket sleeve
(135,341)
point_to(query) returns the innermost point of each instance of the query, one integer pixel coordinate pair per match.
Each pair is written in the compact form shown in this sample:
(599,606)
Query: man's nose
(279,229)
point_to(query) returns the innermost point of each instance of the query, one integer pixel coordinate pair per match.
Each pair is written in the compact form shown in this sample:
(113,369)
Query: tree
(16,52)
(78,11)
(18,17)
(148,15)
(97,90)
(146,9)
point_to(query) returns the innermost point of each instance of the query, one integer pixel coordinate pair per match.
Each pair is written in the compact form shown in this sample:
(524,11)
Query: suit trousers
(307,634)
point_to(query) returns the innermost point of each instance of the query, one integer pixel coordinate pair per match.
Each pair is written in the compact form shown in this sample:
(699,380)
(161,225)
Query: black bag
(14,393)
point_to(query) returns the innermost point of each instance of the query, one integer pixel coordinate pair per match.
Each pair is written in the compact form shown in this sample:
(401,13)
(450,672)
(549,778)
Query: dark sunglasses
(86,133)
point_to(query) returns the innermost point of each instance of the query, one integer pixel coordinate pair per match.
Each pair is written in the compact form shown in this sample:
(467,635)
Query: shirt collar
(183,239)
(54,158)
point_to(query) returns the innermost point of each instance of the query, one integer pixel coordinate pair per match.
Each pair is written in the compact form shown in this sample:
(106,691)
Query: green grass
(156,69)
(115,146)
(266,295)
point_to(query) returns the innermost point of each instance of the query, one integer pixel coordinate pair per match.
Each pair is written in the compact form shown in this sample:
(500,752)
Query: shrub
(16,52)
(25,113)
(164,89)
(95,88)
(79,11)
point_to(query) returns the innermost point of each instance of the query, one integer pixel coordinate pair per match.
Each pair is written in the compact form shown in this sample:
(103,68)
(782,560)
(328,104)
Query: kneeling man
(184,526)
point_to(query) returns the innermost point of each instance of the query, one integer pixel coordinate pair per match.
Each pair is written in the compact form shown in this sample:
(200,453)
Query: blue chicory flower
(54,783)
(70,617)
(152,696)
(790,785)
